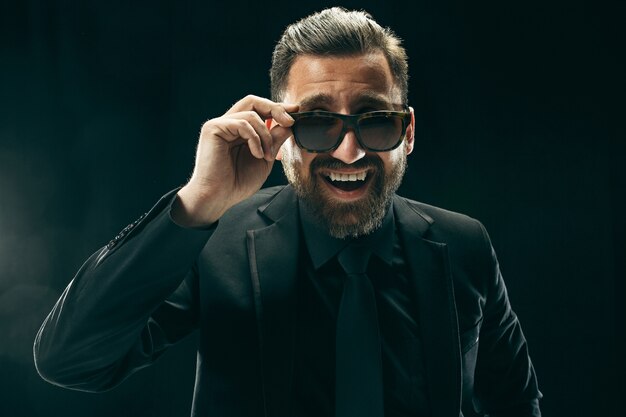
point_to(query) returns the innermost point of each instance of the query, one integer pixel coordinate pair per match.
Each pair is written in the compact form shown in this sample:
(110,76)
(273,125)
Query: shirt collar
(322,247)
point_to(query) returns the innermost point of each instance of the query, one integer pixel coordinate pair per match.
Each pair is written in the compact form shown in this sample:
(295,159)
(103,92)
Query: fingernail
(288,116)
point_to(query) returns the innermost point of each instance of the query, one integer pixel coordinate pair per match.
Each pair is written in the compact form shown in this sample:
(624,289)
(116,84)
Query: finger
(260,128)
(281,112)
(266,109)
(234,129)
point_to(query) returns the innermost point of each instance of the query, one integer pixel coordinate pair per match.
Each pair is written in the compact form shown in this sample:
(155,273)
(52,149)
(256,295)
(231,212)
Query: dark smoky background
(520,112)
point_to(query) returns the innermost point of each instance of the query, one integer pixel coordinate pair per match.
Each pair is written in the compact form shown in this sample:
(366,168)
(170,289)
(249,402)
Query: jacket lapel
(273,255)
(433,291)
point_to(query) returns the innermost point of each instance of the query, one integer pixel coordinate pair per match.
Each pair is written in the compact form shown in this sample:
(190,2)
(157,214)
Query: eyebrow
(316,100)
(367,98)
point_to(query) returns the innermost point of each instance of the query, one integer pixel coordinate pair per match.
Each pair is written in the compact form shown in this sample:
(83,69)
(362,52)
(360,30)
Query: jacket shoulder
(264,195)
(442,221)
(246,213)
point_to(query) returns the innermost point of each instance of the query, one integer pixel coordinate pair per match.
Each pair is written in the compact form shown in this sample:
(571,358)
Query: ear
(409,141)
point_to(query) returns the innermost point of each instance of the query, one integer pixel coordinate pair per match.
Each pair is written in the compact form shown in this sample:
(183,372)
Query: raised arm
(137,295)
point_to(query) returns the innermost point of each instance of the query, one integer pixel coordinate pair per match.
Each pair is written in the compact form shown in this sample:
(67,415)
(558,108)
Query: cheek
(390,159)
(306,159)
(295,157)
(290,153)
(298,156)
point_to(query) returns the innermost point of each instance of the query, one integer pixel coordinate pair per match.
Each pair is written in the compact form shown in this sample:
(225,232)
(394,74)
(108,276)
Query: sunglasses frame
(350,121)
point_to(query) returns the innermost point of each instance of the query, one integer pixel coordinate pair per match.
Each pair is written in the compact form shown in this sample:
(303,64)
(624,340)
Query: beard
(352,218)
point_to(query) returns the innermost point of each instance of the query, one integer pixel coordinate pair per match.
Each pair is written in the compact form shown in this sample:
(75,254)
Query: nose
(349,150)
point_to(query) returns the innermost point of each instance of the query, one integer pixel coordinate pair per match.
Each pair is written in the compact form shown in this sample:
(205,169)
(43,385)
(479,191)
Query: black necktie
(358,383)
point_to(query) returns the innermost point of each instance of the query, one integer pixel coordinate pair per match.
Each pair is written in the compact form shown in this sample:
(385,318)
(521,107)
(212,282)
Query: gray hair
(337,31)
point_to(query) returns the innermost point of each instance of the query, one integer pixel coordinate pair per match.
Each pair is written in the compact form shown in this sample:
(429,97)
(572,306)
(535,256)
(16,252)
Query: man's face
(325,181)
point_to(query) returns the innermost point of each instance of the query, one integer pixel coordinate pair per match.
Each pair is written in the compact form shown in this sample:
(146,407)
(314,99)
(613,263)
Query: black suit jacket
(156,282)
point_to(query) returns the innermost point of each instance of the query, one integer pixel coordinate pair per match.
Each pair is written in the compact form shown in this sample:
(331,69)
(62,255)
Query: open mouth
(346,181)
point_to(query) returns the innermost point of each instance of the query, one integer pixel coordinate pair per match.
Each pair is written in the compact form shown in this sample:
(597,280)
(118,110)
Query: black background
(520,107)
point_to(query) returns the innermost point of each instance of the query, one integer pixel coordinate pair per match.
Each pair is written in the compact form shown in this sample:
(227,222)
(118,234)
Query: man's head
(343,62)
(337,32)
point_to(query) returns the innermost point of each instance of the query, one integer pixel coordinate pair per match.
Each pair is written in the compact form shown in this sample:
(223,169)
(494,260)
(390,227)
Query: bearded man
(331,296)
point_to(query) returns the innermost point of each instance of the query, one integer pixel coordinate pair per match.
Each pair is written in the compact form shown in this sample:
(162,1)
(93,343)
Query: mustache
(328,162)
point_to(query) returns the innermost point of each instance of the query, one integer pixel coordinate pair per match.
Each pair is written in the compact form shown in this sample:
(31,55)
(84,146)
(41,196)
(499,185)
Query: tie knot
(353,259)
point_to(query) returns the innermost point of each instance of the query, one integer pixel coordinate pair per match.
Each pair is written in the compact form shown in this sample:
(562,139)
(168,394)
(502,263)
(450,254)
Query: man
(330,296)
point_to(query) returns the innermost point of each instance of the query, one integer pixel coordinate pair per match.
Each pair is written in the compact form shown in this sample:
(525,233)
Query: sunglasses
(376,131)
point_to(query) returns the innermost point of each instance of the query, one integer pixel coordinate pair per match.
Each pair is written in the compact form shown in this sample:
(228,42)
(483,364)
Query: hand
(234,157)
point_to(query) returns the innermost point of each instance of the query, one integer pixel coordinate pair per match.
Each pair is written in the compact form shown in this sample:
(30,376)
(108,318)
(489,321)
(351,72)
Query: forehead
(341,80)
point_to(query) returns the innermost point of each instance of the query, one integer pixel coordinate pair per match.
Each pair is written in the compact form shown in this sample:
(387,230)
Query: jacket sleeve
(505,381)
(127,303)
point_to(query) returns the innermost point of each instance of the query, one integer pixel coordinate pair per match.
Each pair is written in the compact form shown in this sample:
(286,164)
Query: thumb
(279,135)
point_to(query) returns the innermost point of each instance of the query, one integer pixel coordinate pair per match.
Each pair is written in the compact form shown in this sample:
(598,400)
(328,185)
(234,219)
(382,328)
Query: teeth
(347,177)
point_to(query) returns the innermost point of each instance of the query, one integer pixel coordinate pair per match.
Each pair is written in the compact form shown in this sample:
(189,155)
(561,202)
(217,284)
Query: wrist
(195,209)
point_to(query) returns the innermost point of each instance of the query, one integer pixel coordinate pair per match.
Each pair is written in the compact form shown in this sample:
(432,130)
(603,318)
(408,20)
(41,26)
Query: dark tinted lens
(381,132)
(317,133)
